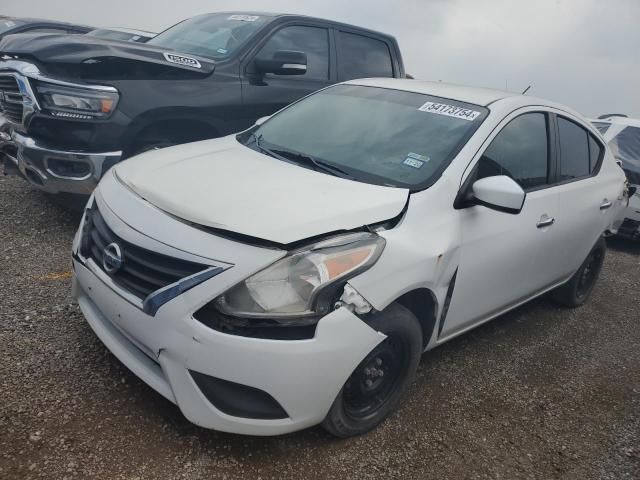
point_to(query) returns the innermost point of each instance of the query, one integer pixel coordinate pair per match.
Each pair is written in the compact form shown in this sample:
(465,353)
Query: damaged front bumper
(52,170)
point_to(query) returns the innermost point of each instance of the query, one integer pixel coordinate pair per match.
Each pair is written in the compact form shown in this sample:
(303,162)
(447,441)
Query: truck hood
(224,185)
(84,56)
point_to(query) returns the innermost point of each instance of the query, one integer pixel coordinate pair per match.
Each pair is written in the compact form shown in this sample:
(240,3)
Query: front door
(506,258)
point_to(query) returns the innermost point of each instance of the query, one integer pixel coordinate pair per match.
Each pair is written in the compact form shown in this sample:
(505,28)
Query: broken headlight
(71,102)
(304,283)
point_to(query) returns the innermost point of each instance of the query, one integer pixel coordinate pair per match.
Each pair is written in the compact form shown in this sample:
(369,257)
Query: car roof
(617,120)
(294,16)
(475,95)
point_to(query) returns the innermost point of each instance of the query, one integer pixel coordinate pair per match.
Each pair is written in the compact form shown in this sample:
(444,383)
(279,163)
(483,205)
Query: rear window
(363,57)
(602,127)
(626,147)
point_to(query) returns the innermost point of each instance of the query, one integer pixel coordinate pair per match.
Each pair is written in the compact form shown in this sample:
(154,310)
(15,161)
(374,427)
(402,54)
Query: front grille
(11,100)
(143,271)
(633,177)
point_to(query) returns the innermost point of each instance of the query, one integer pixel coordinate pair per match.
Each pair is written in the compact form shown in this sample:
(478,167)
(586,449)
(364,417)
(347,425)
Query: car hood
(84,56)
(224,185)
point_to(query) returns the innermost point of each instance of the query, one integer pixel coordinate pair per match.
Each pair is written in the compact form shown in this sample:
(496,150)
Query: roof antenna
(526,90)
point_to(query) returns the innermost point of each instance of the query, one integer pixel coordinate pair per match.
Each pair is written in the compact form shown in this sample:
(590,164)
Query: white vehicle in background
(293,274)
(623,135)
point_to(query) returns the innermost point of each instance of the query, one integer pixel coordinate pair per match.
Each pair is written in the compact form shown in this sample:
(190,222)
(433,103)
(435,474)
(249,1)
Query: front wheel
(579,287)
(378,383)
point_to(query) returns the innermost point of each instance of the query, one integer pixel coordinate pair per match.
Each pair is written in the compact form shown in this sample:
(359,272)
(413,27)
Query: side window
(362,57)
(574,150)
(313,41)
(519,151)
(595,152)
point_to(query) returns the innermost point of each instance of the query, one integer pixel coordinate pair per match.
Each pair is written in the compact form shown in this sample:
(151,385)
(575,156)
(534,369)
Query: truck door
(264,94)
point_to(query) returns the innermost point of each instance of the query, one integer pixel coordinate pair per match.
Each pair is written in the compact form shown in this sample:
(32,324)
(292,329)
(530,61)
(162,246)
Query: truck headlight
(73,102)
(303,283)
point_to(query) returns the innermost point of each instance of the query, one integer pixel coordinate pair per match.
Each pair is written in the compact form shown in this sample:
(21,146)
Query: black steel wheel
(377,384)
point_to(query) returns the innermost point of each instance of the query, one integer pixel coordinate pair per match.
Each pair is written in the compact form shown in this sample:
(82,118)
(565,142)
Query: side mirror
(632,191)
(283,62)
(261,120)
(500,193)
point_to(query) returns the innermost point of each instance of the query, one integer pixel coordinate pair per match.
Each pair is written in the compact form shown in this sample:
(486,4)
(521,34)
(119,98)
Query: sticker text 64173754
(450,111)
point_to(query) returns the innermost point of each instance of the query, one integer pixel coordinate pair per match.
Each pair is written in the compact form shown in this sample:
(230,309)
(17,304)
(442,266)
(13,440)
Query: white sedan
(293,274)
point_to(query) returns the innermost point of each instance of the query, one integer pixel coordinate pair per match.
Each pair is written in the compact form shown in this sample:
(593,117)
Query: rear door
(506,258)
(586,195)
(264,94)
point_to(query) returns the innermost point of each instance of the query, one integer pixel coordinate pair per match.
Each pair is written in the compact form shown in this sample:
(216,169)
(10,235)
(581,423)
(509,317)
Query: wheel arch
(423,303)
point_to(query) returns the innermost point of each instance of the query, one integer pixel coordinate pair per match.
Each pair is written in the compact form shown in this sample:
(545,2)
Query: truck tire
(377,385)
(579,287)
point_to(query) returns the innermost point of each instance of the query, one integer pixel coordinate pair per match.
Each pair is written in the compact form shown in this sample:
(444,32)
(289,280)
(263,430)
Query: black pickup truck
(76,105)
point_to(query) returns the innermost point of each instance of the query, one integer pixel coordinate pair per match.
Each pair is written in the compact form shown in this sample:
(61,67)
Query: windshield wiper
(314,162)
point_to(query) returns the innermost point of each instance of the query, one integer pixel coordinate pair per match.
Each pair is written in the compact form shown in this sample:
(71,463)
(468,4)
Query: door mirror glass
(283,62)
(499,193)
(261,120)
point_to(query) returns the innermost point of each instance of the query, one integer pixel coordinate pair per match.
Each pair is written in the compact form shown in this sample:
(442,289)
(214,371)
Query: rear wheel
(378,383)
(579,287)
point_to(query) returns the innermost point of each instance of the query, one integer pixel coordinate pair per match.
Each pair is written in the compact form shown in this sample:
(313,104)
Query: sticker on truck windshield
(182,60)
(450,111)
(415,160)
(244,18)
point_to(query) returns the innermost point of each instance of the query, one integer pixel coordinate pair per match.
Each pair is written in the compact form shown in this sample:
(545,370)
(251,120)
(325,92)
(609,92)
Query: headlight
(72,102)
(303,283)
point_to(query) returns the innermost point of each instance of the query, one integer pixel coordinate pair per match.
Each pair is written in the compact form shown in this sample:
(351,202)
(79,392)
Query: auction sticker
(450,111)
(244,18)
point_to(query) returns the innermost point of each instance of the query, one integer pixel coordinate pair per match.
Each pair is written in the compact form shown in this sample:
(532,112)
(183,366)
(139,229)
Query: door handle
(605,204)
(545,221)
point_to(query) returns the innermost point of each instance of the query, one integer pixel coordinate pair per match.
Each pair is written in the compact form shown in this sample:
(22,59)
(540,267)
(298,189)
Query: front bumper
(57,171)
(303,376)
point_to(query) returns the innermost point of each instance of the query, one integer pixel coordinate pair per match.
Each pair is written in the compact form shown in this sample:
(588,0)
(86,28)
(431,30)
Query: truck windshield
(215,35)
(375,135)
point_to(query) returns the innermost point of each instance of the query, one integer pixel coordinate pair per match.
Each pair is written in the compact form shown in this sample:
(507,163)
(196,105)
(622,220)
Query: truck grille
(11,100)
(143,271)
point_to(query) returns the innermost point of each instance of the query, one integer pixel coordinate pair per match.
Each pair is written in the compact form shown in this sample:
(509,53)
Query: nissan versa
(293,274)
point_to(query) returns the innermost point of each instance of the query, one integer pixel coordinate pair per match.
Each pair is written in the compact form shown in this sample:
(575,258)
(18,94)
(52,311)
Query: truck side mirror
(500,193)
(283,62)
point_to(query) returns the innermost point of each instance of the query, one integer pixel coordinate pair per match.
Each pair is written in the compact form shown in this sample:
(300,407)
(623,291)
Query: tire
(579,287)
(147,145)
(360,406)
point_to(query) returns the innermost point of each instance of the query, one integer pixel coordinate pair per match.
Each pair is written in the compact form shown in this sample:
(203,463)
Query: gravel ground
(541,392)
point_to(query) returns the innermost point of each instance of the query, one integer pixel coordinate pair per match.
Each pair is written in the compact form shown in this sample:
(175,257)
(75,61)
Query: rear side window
(595,152)
(363,57)
(519,151)
(574,150)
(313,41)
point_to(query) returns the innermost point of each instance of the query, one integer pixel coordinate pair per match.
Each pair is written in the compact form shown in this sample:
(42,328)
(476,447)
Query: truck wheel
(378,383)
(579,287)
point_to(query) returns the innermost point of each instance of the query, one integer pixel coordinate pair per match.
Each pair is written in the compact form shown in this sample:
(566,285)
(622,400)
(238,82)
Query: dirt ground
(542,392)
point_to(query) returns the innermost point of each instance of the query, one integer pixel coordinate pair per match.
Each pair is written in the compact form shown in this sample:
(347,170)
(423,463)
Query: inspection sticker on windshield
(244,18)
(450,111)
(415,160)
